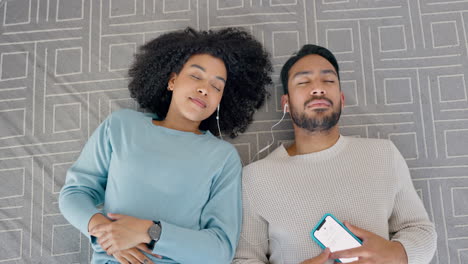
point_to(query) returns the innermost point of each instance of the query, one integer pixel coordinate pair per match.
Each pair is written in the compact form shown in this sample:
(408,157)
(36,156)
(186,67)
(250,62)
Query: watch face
(154,232)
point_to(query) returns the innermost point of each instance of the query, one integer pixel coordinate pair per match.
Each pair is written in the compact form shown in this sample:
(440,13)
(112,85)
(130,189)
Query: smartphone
(331,233)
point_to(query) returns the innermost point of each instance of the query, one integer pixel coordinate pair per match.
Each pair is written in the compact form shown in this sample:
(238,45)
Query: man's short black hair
(308,49)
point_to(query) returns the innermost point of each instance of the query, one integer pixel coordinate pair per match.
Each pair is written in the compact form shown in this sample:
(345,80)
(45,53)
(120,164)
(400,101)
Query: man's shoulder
(265,167)
(376,144)
(272,158)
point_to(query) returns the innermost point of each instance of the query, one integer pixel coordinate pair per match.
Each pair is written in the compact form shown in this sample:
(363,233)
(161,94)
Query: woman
(169,187)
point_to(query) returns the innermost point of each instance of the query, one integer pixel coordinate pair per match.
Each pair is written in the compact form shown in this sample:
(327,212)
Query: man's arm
(412,235)
(253,242)
(409,223)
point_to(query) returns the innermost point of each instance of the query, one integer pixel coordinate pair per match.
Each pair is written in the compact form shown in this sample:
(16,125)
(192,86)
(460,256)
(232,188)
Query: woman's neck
(177,123)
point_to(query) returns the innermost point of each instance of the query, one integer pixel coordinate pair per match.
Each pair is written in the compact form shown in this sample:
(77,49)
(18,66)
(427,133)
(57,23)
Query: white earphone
(272,135)
(217,121)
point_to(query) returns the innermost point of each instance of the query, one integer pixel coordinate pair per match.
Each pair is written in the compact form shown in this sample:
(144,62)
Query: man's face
(315,98)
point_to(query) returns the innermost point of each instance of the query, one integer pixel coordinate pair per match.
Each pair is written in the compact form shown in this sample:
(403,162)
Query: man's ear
(285,102)
(342,100)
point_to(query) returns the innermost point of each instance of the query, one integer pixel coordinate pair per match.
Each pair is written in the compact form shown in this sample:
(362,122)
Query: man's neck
(308,142)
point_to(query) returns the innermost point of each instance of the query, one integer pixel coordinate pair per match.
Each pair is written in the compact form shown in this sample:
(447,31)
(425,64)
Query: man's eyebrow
(329,71)
(203,69)
(301,73)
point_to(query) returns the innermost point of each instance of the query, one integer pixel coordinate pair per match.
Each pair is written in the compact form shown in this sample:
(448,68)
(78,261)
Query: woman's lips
(198,102)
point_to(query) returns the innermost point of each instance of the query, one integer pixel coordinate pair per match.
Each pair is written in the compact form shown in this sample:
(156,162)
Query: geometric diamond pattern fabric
(63,69)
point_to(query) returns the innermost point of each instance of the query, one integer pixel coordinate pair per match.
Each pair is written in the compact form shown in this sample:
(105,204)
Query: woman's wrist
(97,219)
(146,224)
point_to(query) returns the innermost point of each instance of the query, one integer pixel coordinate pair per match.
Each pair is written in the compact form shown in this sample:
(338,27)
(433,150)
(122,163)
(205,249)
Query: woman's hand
(124,233)
(135,255)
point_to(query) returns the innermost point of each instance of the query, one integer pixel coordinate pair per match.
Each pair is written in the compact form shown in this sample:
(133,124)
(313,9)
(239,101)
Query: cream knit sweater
(363,181)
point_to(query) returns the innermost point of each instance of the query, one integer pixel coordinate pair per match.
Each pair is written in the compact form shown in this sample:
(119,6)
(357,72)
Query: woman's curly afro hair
(248,73)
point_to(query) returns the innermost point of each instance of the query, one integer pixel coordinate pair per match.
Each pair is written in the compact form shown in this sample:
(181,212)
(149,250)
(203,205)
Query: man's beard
(319,123)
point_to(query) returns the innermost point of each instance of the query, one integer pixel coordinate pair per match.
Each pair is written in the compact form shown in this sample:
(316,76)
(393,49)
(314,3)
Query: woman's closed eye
(216,88)
(195,77)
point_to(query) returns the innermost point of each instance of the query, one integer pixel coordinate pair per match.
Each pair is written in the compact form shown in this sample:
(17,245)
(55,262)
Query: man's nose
(317,91)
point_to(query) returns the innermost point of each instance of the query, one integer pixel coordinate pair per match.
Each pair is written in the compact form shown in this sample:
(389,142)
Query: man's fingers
(324,255)
(320,259)
(361,233)
(349,253)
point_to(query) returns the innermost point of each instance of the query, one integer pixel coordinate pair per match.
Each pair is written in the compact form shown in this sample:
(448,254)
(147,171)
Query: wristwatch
(154,233)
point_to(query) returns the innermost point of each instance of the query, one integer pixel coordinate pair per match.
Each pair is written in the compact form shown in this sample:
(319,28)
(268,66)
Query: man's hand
(320,259)
(134,255)
(374,249)
(124,233)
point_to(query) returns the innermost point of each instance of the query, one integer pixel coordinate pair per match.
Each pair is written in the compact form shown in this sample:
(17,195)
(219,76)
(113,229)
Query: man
(364,182)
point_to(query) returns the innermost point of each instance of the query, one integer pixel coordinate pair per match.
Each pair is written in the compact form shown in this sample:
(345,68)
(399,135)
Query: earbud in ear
(217,112)
(285,107)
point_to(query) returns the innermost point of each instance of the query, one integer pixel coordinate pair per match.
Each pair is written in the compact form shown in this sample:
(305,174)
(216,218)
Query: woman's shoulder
(126,113)
(124,119)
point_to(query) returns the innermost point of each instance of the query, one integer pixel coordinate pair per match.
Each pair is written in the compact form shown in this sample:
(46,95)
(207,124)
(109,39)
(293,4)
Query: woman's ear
(171,82)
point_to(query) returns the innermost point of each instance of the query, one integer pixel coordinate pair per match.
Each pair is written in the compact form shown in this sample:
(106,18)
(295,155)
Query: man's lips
(198,102)
(318,103)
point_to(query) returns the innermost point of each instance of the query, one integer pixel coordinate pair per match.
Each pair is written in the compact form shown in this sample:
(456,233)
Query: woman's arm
(86,182)
(220,225)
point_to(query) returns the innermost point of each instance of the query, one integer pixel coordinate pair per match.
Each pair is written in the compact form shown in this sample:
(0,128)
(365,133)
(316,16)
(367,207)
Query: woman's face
(198,87)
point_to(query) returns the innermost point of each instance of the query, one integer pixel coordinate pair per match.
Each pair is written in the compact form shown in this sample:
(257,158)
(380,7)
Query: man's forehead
(310,64)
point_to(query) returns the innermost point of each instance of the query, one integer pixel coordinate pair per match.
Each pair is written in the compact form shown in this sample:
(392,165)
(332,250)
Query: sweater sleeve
(86,182)
(253,243)
(220,222)
(409,223)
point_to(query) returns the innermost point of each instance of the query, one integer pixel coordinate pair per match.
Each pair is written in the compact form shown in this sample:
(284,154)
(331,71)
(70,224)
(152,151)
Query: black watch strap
(154,233)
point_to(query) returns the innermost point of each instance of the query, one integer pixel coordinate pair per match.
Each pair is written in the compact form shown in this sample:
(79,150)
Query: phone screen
(332,235)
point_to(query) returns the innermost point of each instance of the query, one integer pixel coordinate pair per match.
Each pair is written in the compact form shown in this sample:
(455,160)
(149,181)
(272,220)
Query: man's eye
(301,83)
(329,81)
(195,77)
